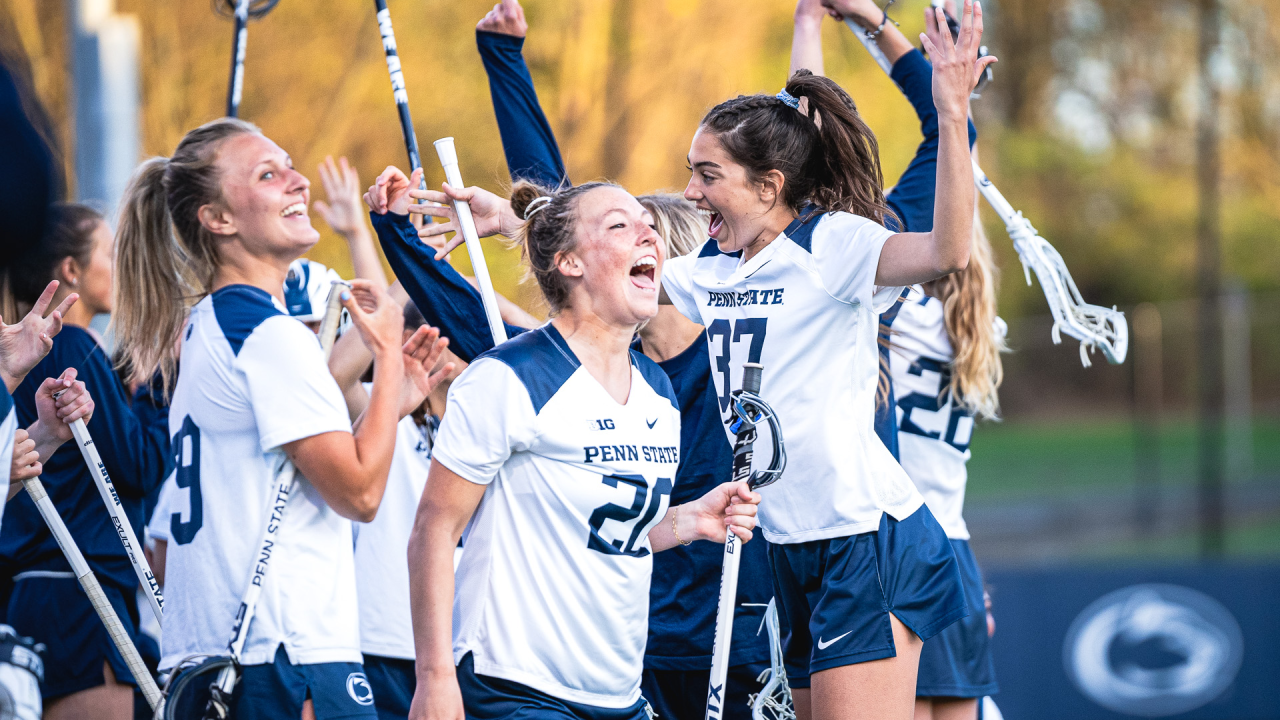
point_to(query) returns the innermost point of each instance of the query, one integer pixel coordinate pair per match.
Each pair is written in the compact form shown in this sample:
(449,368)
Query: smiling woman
(572,439)
(253,389)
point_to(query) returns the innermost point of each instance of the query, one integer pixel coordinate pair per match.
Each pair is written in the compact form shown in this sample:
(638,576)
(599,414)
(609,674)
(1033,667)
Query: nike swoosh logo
(655,422)
(829,643)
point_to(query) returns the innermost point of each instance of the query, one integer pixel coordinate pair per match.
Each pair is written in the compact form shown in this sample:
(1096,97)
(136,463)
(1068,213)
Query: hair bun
(523,193)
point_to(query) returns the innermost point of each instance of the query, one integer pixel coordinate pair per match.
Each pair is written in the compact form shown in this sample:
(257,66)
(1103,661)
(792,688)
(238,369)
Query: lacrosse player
(252,390)
(84,672)
(945,362)
(572,440)
(798,267)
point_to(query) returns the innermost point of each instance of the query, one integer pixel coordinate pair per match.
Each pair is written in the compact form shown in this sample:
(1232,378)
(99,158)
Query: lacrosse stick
(124,529)
(773,702)
(286,482)
(449,160)
(1093,325)
(97,597)
(332,316)
(749,410)
(397,86)
(241,11)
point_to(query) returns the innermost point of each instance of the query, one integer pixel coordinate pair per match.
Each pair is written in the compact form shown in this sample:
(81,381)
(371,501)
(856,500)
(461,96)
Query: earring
(73,282)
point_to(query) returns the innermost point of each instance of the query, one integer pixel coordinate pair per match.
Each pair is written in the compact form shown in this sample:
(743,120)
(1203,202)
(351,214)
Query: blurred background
(1140,137)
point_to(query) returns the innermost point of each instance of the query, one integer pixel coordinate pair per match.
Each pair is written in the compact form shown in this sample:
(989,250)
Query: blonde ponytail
(160,273)
(969,312)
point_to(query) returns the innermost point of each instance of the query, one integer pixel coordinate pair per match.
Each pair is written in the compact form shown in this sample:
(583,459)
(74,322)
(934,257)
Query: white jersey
(162,518)
(253,379)
(933,431)
(382,561)
(806,308)
(553,587)
(8,427)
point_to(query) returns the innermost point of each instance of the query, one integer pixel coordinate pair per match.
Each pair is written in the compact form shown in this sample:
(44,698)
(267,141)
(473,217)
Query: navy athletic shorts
(835,596)
(490,698)
(957,662)
(55,611)
(682,694)
(393,681)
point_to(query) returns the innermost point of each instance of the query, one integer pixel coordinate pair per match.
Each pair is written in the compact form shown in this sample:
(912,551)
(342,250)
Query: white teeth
(294,209)
(645,263)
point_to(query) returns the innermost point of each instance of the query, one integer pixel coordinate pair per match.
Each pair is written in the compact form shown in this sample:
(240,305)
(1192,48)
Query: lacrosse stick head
(773,702)
(749,410)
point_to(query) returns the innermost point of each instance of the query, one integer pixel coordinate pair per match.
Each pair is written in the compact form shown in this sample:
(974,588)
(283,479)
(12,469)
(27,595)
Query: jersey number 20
(645,502)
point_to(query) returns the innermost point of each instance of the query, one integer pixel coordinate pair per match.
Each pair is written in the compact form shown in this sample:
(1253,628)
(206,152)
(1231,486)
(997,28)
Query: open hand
(956,68)
(507,18)
(342,187)
(25,343)
(492,214)
(422,354)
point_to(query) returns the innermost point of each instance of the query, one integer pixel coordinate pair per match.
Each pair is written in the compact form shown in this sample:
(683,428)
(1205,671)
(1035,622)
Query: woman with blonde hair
(203,248)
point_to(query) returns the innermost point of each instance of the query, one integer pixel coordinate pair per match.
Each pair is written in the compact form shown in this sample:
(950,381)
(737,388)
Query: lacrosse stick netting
(1093,325)
(773,702)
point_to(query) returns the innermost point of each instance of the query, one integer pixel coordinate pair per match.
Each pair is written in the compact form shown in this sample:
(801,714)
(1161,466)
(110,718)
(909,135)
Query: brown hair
(969,313)
(68,234)
(827,154)
(548,232)
(165,258)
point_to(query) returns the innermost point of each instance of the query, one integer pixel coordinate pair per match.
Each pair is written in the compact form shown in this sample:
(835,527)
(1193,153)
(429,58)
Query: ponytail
(826,153)
(160,273)
(969,313)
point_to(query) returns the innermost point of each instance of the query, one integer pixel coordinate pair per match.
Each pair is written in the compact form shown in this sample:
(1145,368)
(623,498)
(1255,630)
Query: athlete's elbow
(360,506)
(953,262)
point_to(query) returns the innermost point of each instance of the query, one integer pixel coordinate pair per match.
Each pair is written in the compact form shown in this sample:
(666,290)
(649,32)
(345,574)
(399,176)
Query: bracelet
(886,20)
(675,514)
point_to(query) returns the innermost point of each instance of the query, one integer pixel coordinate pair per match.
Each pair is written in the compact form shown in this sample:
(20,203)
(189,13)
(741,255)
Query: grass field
(1067,491)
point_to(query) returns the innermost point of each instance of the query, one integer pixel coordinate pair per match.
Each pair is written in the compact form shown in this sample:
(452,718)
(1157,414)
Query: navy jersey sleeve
(527,140)
(445,298)
(912,198)
(134,447)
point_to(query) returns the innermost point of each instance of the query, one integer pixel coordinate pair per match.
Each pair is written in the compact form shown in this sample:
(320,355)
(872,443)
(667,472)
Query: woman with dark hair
(797,270)
(85,675)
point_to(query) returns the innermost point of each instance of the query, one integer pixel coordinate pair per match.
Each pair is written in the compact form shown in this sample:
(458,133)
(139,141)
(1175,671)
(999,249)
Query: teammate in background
(571,438)
(253,390)
(85,675)
(945,361)
(382,569)
(799,264)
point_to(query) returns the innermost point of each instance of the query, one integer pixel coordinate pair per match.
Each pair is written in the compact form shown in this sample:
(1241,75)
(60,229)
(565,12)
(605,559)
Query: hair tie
(537,204)
(792,101)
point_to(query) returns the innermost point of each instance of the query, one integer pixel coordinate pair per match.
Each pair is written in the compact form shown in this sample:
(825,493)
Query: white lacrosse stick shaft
(724,626)
(97,597)
(870,44)
(449,160)
(124,529)
(332,316)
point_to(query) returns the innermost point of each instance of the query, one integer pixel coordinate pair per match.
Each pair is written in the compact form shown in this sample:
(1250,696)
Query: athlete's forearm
(364,258)
(953,204)
(806,45)
(663,535)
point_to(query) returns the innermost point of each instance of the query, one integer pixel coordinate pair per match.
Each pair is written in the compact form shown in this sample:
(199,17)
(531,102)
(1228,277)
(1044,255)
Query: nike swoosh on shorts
(829,643)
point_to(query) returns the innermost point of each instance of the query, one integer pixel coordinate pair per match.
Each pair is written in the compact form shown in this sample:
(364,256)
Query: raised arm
(806,37)
(445,298)
(345,214)
(912,257)
(527,139)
